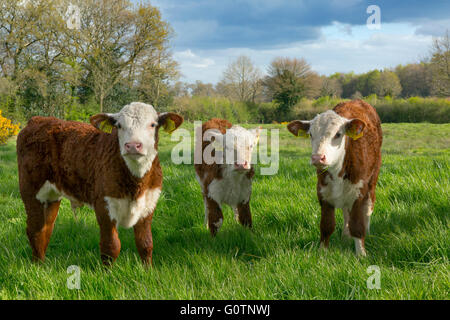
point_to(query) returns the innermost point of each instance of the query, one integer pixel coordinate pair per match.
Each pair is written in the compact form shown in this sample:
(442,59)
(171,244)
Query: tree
(288,81)
(113,37)
(366,82)
(242,80)
(415,79)
(440,66)
(314,86)
(201,89)
(116,51)
(386,84)
(180,89)
(31,55)
(331,87)
(19,30)
(223,89)
(49,67)
(356,95)
(156,72)
(348,82)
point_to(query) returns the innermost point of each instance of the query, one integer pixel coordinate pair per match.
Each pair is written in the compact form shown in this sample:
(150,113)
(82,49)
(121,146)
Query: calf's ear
(299,128)
(354,128)
(103,121)
(170,121)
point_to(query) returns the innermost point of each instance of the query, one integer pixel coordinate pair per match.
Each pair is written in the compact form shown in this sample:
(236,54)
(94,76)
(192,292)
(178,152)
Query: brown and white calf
(346,150)
(226,179)
(116,172)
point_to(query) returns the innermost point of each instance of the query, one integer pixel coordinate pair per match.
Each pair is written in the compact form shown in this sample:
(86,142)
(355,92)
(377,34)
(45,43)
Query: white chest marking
(234,188)
(49,193)
(340,193)
(127,212)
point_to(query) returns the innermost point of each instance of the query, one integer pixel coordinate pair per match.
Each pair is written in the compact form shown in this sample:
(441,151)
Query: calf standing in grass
(228,180)
(346,150)
(111,165)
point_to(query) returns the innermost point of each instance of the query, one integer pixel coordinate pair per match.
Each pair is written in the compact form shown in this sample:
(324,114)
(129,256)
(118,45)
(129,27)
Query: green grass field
(278,259)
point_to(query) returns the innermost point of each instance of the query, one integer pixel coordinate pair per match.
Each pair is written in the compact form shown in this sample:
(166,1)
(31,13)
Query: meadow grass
(278,259)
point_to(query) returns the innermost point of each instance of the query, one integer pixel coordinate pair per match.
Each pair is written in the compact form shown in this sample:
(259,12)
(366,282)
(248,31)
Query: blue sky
(331,35)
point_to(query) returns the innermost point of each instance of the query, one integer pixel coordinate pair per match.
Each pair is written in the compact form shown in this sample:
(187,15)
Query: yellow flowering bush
(7,129)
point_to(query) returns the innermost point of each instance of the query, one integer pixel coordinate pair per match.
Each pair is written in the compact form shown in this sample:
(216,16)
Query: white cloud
(335,51)
(343,27)
(192,65)
(188,59)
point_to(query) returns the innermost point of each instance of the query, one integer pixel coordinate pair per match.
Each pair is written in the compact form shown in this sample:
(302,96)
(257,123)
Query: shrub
(78,112)
(204,108)
(371,99)
(7,129)
(326,102)
(414,109)
(266,112)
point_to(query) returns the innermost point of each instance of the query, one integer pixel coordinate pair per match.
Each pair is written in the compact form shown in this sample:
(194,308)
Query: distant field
(278,259)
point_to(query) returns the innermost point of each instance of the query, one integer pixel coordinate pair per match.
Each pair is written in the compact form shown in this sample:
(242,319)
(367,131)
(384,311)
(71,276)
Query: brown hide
(362,161)
(208,172)
(86,165)
(80,160)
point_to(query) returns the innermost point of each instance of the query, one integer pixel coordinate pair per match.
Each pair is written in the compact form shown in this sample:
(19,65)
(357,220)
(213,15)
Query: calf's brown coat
(84,164)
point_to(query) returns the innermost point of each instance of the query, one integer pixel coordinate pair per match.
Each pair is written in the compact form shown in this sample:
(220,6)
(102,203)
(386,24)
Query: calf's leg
(109,237)
(40,222)
(357,224)
(143,239)
(243,214)
(214,214)
(346,229)
(327,223)
(367,211)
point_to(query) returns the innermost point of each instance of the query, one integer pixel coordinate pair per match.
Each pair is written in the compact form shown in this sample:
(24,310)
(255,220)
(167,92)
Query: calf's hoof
(360,250)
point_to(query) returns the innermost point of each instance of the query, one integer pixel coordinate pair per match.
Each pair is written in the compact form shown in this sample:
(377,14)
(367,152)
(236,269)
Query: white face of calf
(242,142)
(137,126)
(237,145)
(327,131)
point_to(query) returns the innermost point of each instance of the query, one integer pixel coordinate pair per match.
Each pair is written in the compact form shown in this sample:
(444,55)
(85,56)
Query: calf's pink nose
(244,165)
(133,147)
(318,159)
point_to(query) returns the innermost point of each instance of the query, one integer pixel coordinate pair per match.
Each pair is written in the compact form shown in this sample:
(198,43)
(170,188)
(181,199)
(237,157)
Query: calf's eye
(153,125)
(338,135)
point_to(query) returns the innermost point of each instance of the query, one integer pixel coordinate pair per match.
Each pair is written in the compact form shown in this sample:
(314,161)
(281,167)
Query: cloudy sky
(332,35)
